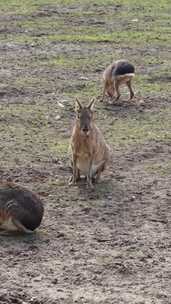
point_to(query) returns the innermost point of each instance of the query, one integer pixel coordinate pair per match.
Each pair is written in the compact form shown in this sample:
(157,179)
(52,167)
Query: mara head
(84,116)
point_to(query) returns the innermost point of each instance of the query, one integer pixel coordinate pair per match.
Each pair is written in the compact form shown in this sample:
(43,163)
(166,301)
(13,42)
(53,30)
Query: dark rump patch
(24,206)
(31,209)
(122,68)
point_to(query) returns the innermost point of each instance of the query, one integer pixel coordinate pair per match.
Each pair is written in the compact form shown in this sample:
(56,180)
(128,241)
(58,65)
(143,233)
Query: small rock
(132,198)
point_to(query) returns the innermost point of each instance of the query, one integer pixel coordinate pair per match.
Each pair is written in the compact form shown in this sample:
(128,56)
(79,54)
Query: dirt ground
(113,244)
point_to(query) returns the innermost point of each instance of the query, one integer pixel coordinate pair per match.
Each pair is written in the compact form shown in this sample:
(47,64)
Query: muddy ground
(110,245)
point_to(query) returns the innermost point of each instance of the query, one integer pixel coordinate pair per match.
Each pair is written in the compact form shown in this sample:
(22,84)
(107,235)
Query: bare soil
(109,246)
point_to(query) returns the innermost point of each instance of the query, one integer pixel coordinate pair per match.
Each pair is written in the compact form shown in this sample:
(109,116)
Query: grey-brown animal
(20,209)
(90,153)
(116,74)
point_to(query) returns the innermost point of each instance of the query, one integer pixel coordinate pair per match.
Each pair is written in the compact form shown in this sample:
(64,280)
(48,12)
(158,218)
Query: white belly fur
(84,167)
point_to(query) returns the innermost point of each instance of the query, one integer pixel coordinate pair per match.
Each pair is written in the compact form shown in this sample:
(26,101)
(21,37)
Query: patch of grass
(128,37)
(64,61)
(27,136)
(144,128)
(28,81)
(88,90)
(146,85)
(162,169)
(45,24)
(24,7)
(35,84)
(59,147)
(88,63)
(28,6)
(120,27)
(125,23)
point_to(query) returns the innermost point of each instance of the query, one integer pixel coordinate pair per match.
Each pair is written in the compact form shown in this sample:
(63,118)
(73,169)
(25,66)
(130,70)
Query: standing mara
(90,153)
(116,74)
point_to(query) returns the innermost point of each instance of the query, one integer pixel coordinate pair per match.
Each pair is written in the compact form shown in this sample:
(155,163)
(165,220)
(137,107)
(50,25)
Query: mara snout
(90,153)
(116,74)
(20,209)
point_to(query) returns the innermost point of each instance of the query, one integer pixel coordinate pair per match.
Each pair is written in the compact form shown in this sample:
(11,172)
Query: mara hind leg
(130,89)
(6,220)
(21,227)
(99,170)
(13,226)
(4,232)
(116,87)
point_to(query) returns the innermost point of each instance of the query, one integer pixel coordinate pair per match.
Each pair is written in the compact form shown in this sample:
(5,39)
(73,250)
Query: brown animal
(20,209)
(118,73)
(90,153)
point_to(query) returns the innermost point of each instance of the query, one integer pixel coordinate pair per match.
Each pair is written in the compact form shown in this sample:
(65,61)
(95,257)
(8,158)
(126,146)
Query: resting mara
(118,73)
(20,209)
(90,153)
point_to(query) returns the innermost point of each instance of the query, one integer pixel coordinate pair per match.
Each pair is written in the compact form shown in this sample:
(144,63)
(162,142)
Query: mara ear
(78,105)
(91,104)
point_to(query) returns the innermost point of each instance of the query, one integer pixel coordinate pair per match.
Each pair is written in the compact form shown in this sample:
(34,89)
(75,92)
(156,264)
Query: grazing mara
(20,209)
(90,153)
(118,73)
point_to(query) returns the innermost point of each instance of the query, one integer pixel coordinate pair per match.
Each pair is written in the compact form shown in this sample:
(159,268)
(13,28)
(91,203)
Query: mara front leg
(90,176)
(116,87)
(104,91)
(75,172)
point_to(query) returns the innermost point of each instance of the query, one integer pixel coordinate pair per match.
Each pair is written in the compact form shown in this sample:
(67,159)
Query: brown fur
(90,153)
(4,215)
(20,209)
(112,84)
